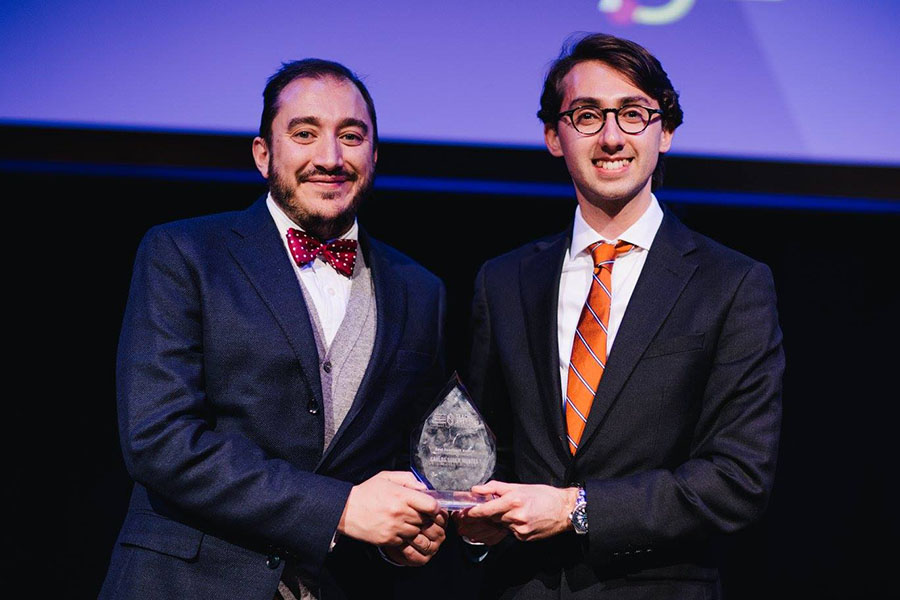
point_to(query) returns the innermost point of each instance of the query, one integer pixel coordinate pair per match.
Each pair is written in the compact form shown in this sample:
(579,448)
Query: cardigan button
(313,407)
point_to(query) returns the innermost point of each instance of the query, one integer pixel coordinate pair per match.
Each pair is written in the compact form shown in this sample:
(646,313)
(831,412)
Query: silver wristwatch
(579,516)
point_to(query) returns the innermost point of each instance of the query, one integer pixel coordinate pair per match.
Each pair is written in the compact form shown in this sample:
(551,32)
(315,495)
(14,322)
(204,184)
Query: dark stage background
(828,232)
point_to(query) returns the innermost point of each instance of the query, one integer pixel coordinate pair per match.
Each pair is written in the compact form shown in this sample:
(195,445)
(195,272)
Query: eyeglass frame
(604,111)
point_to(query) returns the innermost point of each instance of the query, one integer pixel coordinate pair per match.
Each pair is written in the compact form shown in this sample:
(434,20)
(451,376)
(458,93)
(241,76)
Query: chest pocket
(681,343)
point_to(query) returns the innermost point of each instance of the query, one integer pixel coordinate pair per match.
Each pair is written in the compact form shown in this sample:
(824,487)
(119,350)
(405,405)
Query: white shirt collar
(641,233)
(284,222)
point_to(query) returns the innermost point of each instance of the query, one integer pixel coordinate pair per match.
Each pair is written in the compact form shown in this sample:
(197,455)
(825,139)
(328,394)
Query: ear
(261,156)
(375,156)
(551,138)
(665,140)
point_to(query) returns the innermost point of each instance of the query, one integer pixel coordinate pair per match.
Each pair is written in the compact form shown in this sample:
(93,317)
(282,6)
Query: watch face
(579,519)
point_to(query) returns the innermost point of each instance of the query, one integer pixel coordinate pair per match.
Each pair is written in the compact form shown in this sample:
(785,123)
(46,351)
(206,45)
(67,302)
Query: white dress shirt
(577,272)
(329,290)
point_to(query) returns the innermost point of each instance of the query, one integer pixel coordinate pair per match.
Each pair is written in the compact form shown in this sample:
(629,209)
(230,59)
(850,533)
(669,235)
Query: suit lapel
(539,276)
(663,277)
(390,310)
(258,250)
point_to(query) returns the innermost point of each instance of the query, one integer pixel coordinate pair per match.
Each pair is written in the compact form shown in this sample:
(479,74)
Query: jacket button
(273,561)
(327,366)
(313,406)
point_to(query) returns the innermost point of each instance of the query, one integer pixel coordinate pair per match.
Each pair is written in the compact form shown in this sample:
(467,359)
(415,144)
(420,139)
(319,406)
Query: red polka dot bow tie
(340,253)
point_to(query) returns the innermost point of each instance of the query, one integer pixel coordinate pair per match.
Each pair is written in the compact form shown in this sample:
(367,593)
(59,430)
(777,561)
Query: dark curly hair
(633,61)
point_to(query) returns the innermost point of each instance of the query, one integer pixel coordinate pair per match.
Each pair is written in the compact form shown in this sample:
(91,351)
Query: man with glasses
(630,367)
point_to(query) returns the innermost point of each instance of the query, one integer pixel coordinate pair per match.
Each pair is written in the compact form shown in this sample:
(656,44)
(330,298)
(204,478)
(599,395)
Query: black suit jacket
(220,414)
(682,437)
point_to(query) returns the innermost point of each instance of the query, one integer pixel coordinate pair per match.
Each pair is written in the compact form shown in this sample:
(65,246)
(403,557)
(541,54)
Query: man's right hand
(387,509)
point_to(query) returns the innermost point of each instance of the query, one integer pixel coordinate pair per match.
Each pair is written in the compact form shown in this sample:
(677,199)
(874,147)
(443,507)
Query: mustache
(306,175)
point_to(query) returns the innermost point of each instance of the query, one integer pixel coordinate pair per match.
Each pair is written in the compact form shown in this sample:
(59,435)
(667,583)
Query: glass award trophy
(453,449)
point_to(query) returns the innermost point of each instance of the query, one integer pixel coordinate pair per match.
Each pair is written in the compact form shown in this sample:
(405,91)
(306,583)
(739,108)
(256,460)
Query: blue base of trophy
(457,500)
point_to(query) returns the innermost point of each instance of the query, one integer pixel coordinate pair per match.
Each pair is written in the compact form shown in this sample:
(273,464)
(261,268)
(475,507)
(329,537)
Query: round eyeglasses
(631,118)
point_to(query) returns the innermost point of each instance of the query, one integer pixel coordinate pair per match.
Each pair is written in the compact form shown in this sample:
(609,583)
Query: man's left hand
(532,512)
(479,531)
(419,550)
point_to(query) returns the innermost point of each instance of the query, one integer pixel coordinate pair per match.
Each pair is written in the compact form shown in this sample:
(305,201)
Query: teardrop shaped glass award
(453,448)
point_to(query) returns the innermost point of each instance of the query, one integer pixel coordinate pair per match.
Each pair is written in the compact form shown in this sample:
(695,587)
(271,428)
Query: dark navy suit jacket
(221,420)
(682,438)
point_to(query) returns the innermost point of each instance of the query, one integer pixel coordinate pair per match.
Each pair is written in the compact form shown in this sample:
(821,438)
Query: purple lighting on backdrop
(778,79)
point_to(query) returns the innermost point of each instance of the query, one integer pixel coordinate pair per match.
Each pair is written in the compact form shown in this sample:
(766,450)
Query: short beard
(314,224)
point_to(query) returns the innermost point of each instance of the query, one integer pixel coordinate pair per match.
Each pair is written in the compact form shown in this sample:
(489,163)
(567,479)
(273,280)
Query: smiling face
(610,169)
(320,158)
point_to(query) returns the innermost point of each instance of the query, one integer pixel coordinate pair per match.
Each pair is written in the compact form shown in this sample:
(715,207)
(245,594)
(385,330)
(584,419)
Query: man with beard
(270,366)
(630,367)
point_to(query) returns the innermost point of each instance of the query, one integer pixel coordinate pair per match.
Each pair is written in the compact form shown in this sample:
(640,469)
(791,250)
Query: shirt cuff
(476,551)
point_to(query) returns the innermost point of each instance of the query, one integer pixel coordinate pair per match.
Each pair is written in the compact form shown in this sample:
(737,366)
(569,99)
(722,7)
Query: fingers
(404,478)
(422,503)
(479,531)
(492,508)
(399,534)
(494,487)
(424,545)
(433,532)
(417,549)
(491,537)
(427,541)
(441,518)
(413,558)
(405,555)
(418,501)
(530,512)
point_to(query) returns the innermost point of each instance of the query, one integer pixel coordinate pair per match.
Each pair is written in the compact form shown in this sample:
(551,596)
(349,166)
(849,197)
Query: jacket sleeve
(167,424)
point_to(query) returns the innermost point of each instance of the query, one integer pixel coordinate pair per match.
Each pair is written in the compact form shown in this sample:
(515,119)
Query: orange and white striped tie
(588,361)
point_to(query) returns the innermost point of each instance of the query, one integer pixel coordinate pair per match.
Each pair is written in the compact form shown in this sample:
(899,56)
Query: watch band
(579,513)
